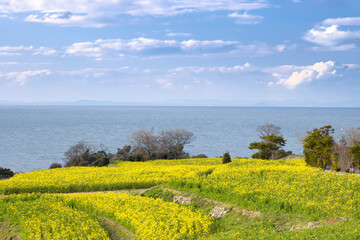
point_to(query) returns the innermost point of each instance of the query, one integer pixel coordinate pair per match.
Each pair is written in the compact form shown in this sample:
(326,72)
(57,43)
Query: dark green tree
(6,173)
(226,158)
(318,147)
(271,145)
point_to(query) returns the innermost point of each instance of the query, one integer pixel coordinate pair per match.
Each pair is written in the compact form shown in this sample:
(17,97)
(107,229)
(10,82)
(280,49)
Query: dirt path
(129,191)
(116,231)
(7,232)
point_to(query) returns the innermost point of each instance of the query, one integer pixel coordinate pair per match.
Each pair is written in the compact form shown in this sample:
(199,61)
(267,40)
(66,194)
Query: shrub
(83,154)
(226,158)
(83,164)
(5,173)
(121,154)
(99,159)
(165,195)
(200,156)
(55,165)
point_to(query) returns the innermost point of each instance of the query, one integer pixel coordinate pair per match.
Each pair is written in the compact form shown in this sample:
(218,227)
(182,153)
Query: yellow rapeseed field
(52,216)
(286,188)
(128,175)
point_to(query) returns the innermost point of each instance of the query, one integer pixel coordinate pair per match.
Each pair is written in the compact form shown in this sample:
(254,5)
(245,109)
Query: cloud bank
(245,18)
(154,47)
(19,50)
(100,13)
(291,76)
(21,78)
(329,36)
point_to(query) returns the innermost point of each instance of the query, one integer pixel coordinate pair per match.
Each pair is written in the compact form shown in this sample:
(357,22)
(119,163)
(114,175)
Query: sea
(33,137)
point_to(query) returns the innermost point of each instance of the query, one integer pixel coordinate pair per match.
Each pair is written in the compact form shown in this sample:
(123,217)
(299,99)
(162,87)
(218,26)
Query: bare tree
(77,153)
(342,146)
(268,129)
(145,141)
(169,144)
(174,140)
(344,158)
(352,135)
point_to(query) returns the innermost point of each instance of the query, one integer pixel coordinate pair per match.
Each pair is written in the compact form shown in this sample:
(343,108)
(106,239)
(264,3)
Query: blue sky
(183,52)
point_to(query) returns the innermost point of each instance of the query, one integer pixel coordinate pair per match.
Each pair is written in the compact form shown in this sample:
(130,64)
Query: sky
(181,52)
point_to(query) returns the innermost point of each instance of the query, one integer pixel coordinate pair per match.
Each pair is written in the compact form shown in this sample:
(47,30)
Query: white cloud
(280,47)
(290,76)
(245,18)
(14,49)
(19,50)
(22,77)
(100,13)
(329,36)
(92,72)
(86,72)
(222,69)
(87,49)
(178,34)
(68,19)
(348,21)
(101,47)
(155,47)
(45,51)
(197,44)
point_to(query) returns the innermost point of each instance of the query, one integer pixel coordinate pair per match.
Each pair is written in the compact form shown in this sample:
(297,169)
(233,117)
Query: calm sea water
(32,137)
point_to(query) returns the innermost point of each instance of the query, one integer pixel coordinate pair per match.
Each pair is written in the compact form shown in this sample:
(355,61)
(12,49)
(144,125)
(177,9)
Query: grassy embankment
(290,200)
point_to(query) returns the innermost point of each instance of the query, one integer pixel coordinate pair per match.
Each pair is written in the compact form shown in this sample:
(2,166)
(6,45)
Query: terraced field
(282,199)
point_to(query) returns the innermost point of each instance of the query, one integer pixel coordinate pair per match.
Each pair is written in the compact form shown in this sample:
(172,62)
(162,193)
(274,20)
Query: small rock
(218,212)
(310,225)
(182,200)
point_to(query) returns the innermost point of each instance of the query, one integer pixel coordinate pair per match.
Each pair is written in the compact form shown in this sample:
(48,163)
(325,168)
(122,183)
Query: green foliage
(226,158)
(55,165)
(200,156)
(5,173)
(99,159)
(271,145)
(155,193)
(135,157)
(81,155)
(318,147)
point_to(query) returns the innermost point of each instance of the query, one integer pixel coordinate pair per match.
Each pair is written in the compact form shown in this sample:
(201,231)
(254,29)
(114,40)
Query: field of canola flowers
(285,192)
(51,216)
(128,175)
